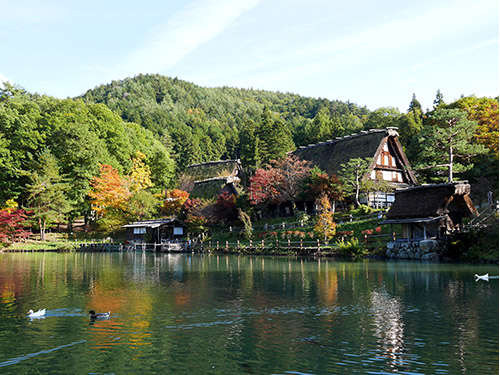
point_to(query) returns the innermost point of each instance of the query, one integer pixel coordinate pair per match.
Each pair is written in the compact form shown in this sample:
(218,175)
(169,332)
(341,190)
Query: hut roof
(432,201)
(151,223)
(212,169)
(212,187)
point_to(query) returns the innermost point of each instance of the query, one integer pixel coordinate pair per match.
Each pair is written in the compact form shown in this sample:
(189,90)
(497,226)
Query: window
(140,230)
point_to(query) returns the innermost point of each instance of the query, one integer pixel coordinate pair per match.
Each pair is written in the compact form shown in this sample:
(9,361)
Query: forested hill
(201,124)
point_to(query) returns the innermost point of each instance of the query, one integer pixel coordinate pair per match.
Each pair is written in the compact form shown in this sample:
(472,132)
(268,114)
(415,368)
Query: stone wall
(415,249)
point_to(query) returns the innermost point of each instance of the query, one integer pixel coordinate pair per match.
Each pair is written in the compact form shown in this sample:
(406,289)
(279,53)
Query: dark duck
(94,315)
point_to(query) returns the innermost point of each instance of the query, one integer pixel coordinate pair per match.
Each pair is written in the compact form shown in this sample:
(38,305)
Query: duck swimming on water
(39,313)
(94,315)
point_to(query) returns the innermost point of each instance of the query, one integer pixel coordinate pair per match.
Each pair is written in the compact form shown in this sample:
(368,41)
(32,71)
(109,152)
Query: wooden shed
(431,211)
(389,162)
(155,231)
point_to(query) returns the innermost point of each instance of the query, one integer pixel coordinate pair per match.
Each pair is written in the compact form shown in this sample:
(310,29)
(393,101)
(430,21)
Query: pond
(228,314)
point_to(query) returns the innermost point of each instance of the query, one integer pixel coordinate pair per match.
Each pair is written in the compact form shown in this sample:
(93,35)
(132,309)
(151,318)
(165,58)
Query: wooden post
(238,245)
(262,244)
(217,245)
(227,246)
(288,244)
(318,245)
(301,244)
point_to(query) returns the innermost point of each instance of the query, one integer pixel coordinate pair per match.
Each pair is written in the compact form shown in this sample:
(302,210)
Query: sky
(372,53)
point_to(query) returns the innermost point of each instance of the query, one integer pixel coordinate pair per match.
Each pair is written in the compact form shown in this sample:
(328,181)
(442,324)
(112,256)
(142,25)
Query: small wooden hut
(389,162)
(155,231)
(431,211)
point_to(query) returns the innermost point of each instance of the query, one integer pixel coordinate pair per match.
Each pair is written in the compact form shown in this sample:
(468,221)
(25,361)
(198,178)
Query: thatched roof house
(212,169)
(214,177)
(389,162)
(213,187)
(431,211)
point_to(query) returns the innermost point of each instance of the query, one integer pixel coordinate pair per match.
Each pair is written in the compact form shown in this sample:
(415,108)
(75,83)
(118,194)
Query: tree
(438,101)
(274,138)
(12,225)
(485,112)
(410,128)
(319,183)
(109,191)
(140,174)
(174,201)
(46,191)
(325,225)
(226,207)
(142,205)
(414,104)
(383,118)
(247,224)
(353,175)
(448,142)
(263,186)
(281,181)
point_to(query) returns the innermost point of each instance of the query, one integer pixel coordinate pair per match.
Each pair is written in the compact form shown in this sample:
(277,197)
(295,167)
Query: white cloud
(169,43)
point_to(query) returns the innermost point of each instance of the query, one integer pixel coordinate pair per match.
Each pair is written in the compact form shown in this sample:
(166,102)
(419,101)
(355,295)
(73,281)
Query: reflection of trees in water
(389,326)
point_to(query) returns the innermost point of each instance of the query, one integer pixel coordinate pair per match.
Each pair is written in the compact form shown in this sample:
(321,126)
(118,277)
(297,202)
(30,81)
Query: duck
(94,315)
(39,313)
(484,277)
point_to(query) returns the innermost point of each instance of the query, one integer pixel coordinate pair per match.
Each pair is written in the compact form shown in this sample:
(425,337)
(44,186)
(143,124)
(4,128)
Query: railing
(295,246)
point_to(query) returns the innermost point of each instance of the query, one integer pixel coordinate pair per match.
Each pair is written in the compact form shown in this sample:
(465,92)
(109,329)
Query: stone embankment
(418,250)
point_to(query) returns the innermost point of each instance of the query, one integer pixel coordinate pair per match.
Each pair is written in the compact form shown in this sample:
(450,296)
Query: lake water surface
(200,314)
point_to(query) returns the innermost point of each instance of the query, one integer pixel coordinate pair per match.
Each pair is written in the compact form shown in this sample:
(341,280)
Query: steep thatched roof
(432,201)
(211,188)
(330,155)
(213,169)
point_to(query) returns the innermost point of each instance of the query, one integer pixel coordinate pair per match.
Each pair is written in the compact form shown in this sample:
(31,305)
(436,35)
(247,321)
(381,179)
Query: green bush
(351,247)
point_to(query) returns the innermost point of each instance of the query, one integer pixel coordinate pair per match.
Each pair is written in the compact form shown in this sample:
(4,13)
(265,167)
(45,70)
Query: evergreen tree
(275,139)
(447,142)
(47,198)
(438,101)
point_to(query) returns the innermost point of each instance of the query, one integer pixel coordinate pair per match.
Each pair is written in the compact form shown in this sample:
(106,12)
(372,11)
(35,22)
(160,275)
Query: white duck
(484,277)
(39,313)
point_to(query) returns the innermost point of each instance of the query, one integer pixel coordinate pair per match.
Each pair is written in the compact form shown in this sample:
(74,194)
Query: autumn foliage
(174,201)
(109,191)
(280,181)
(11,225)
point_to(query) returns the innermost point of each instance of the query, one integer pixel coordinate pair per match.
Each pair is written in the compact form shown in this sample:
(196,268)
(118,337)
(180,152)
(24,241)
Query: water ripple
(16,360)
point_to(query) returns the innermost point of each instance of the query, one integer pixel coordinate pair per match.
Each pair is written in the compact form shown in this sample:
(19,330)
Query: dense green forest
(172,123)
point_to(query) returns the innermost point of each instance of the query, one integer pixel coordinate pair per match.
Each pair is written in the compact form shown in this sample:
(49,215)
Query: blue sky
(373,53)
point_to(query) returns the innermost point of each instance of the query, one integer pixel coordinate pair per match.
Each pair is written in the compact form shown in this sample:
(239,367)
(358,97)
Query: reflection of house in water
(389,326)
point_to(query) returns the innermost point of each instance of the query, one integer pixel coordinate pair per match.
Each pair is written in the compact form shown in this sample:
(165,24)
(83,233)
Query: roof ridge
(215,162)
(387,130)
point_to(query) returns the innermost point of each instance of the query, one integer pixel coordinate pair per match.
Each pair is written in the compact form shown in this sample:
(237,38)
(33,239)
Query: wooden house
(389,162)
(214,177)
(155,231)
(431,211)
